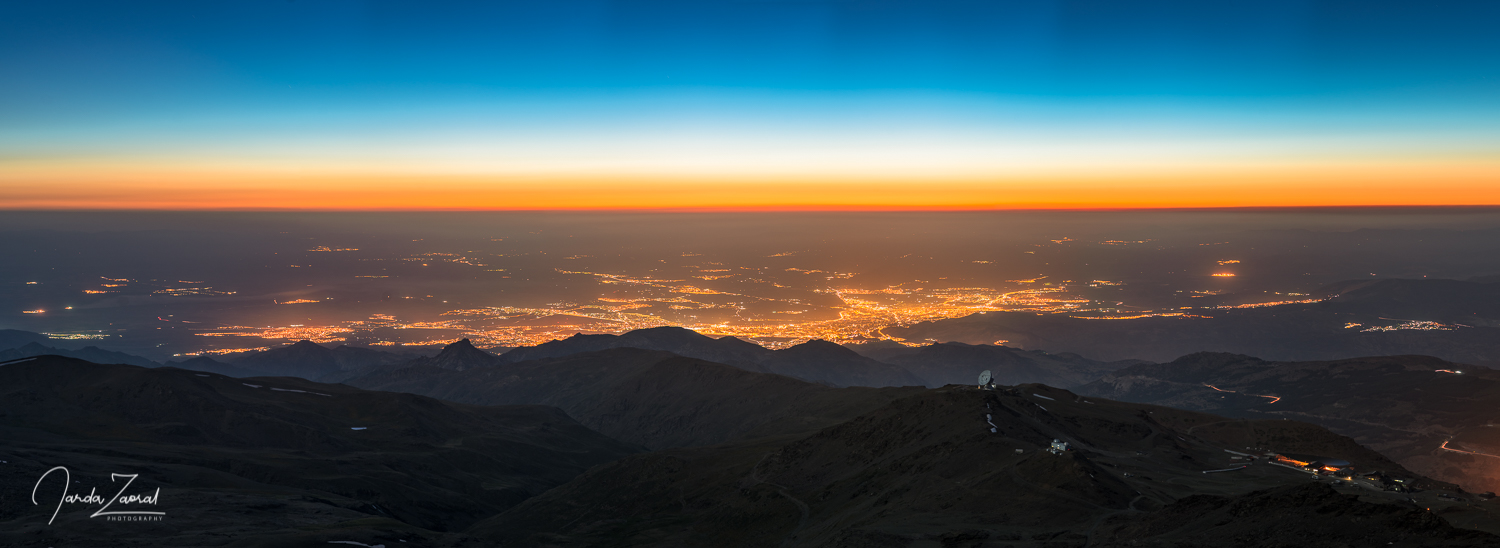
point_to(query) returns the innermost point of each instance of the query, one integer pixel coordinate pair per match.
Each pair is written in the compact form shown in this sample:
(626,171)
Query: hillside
(309,360)
(815,361)
(652,398)
(927,470)
(683,342)
(958,363)
(1407,407)
(282,457)
(87,353)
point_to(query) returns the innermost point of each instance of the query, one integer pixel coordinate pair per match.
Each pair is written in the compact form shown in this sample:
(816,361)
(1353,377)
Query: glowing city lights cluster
(775,305)
(223,351)
(1272,303)
(1414,325)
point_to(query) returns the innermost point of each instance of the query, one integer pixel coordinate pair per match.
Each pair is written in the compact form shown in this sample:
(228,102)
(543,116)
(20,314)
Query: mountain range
(816,361)
(88,353)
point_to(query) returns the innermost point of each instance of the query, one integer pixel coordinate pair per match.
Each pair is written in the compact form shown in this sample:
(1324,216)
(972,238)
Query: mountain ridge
(815,361)
(650,397)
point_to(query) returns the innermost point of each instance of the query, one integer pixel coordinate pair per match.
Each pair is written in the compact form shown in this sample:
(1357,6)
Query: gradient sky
(748,104)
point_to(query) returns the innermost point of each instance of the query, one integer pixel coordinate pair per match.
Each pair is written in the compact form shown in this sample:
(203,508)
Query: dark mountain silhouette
(15,338)
(928,470)
(210,365)
(296,462)
(1408,407)
(1339,327)
(677,340)
(959,363)
(354,359)
(458,356)
(305,359)
(881,350)
(310,360)
(823,361)
(89,353)
(816,361)
(652,398)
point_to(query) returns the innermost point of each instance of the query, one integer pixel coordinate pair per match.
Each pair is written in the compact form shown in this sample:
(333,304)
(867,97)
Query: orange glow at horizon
(135,186)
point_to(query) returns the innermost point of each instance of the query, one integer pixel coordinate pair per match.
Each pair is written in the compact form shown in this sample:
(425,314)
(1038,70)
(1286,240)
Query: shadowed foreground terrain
(274,461)
(1408,407)
(927,471)
(266,461)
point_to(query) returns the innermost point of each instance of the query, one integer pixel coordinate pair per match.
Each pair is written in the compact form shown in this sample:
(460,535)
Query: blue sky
(273,80)
(106,57)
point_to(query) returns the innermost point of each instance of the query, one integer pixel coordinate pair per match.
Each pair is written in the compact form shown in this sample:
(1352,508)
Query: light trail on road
(1274,399)
(1445,447)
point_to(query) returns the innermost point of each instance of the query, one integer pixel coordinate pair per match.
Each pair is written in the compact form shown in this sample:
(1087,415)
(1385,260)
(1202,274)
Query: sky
(748,104)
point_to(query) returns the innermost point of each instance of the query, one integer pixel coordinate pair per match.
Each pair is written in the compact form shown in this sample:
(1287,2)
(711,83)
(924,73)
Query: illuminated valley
(858,315)
(414,282)
(775,306)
